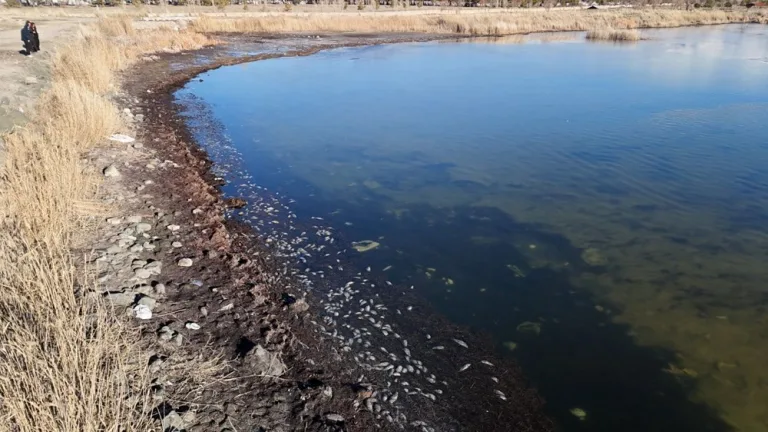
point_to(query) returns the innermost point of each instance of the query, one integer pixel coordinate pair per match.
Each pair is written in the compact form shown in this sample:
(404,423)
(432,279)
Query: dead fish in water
(386,268)
(439,347)
(487,363)
(461,342)
(495,379)
(465,367)
(500,395)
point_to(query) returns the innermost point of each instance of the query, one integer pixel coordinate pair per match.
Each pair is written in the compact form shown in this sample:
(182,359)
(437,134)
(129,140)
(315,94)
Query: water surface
(616,195)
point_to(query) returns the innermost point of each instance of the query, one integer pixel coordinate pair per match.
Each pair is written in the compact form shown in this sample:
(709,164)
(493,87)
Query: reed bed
(491,23)
(610,34)
(67,362)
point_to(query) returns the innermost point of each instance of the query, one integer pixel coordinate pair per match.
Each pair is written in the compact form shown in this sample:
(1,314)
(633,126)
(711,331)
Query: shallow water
(614,194)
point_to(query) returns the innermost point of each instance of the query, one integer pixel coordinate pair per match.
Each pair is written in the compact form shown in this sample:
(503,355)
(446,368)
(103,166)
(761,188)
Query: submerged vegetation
(67,363)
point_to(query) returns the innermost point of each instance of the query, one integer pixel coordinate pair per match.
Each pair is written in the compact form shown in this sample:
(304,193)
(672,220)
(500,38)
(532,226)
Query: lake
(599,209)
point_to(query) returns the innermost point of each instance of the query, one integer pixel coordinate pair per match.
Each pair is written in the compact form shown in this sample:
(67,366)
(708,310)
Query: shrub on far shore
(613,35)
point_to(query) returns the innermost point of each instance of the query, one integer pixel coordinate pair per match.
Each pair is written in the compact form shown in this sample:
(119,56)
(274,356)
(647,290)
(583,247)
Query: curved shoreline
(339,368)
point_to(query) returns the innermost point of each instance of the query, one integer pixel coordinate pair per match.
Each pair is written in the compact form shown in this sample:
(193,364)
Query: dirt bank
(216,288)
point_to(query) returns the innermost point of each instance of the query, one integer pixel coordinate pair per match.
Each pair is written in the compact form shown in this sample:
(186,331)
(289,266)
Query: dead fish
(500,395)
(465,367)
(439,347)
(487,363)
(461,342)
(495,379)
(386,268)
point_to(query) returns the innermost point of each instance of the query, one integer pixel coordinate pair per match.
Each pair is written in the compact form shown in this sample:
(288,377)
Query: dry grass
(613,35)
(489,23)
(67,363)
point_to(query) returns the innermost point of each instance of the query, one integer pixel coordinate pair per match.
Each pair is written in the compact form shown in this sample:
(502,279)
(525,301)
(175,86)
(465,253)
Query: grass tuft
(610,34)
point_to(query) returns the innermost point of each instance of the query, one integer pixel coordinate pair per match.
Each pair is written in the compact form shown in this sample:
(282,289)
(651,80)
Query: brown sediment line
(233,267)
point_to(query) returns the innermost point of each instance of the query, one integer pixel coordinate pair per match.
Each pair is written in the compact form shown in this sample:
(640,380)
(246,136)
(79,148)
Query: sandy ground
(22,77)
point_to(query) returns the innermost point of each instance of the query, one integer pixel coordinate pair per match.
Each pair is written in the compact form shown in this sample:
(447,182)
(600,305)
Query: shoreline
(209,357)
(523,409)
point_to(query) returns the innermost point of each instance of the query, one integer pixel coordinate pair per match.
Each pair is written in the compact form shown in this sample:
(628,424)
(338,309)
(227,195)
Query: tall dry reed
(491,23)
(67,363)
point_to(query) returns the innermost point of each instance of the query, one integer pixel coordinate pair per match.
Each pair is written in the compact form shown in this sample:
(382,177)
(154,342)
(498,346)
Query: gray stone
(114,249)
(159,290)
(136,264)
(173,421)
(155,267)
(226,307)
(133,219)
(30,80)
(111,171)
(265,363)
(142,273)
(121,298)
(192,325)
(139,117)
(179,339)
(173,228)
(143,227)
(185,262)
(136,248)
(148,302)
(114,220)
(176,244)
(335,418)
(142,312)
(165,333)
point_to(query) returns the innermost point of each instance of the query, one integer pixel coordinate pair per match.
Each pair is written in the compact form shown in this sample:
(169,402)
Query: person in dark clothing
(35,37)
(26,38)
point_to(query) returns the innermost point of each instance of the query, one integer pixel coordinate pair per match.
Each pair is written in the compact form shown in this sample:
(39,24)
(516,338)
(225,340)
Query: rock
(265,363)
(197,211)
(189,417)
(235,203)
(155,365)
(136,248)
(204,311)
(114,249)
(185,262)
(299,306)
(143,227)
(148,245)
(114,220)
(173,228)
(142,273)
(165,333)
(133,219)
(121,138)
(155,267)
(30,80)
(334,418)
(192,325)
(121,298)
(176,244)
(178,339)
(142,312)
(226,307)
(148,302)
(173,421)
(111,171)
(139,117)
(159,289)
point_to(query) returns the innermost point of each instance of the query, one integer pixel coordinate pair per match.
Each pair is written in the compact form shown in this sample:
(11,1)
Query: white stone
(192,326)
(122,138)
(142,312)
(111,171)
(173,227)
(185,262)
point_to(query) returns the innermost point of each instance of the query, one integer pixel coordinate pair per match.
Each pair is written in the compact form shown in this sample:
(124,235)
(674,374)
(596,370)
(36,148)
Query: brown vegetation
(487,23)
(66,362)
(613,35)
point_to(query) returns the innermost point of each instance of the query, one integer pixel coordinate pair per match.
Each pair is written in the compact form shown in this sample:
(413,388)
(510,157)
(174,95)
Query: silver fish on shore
(465,367)
(461,343)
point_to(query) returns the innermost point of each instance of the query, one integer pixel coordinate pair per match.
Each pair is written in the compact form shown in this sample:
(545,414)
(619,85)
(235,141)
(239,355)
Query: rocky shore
(254,328)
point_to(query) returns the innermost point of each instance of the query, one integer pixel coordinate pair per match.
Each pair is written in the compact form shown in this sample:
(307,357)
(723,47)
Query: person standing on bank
(26,37)
(35,37)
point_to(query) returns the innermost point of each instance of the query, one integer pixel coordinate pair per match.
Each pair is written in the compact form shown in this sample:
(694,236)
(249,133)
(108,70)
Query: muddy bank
(287,321)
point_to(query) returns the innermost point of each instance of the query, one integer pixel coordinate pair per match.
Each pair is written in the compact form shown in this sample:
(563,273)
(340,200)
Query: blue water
(614,194)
